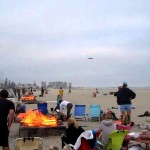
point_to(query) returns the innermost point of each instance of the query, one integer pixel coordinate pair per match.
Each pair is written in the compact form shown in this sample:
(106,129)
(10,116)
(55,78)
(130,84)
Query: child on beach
(58,103)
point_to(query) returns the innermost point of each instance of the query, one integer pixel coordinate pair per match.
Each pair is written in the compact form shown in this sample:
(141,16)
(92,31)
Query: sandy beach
(84,96)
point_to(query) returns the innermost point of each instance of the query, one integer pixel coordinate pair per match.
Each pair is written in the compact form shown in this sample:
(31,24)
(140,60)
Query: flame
(28,97)
(36,118)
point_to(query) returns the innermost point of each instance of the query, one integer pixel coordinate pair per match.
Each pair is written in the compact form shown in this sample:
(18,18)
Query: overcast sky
(45,40)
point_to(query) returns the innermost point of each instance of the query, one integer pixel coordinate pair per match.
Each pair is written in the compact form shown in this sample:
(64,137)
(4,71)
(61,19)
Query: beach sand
(85,96)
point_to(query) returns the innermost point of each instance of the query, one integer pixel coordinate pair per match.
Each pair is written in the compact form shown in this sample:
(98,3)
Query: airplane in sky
(90,58)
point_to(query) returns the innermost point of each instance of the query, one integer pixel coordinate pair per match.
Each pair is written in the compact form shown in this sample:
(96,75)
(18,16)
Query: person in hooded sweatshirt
(106,127)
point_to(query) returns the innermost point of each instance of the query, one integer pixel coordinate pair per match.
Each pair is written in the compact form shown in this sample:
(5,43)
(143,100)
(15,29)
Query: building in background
(58,84)
(27,85)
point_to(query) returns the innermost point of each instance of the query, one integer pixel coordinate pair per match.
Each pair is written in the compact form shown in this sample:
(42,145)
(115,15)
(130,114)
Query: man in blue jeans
(124,97)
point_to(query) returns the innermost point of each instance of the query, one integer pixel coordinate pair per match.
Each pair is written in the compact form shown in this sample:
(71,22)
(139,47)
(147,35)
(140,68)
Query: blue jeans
(125,107)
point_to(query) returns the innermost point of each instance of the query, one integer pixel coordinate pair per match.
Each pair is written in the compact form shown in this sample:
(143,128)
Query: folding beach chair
(28,143)
(79,111)
(95,112)
(85,145)
(86,141)
(116,139)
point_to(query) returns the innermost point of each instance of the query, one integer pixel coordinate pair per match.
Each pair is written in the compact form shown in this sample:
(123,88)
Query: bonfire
(28,98)
(36,118)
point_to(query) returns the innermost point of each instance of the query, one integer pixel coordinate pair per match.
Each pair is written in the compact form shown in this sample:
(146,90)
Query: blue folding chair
(79,111)
(95,112)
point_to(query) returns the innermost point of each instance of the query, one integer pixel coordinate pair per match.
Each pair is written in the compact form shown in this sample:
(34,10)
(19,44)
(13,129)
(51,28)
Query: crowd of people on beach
(124,96)
(74,132)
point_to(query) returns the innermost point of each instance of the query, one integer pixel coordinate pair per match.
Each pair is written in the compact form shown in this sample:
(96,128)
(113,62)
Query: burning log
(36,118)
(29,99)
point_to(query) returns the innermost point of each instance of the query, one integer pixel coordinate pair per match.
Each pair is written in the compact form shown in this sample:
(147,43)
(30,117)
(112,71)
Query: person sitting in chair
(72,133)
(106,127)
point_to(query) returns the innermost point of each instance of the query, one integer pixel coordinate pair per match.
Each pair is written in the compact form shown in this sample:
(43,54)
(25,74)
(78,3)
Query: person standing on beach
(124,97)
(23,91)
(7,111)
(42,92)
(97,92)
(61,91)
(31,90)
(19,95)
(69,90)
(15,92)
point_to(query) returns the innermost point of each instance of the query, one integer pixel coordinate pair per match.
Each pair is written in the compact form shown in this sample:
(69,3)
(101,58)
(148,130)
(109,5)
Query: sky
(44,40)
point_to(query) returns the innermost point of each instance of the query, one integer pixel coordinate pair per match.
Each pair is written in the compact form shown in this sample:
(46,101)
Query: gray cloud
(51,41)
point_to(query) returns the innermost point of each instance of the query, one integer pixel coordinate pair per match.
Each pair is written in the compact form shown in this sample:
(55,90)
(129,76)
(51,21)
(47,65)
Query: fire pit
(36,118)
(25,131)
(29,99)
(34,123)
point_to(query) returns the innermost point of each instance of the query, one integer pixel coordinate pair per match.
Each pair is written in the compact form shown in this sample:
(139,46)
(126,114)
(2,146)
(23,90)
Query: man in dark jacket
(124,97)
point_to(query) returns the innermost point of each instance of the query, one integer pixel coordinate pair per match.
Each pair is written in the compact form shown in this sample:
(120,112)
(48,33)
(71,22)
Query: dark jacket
(124,96)
(117,98)
(72,134)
